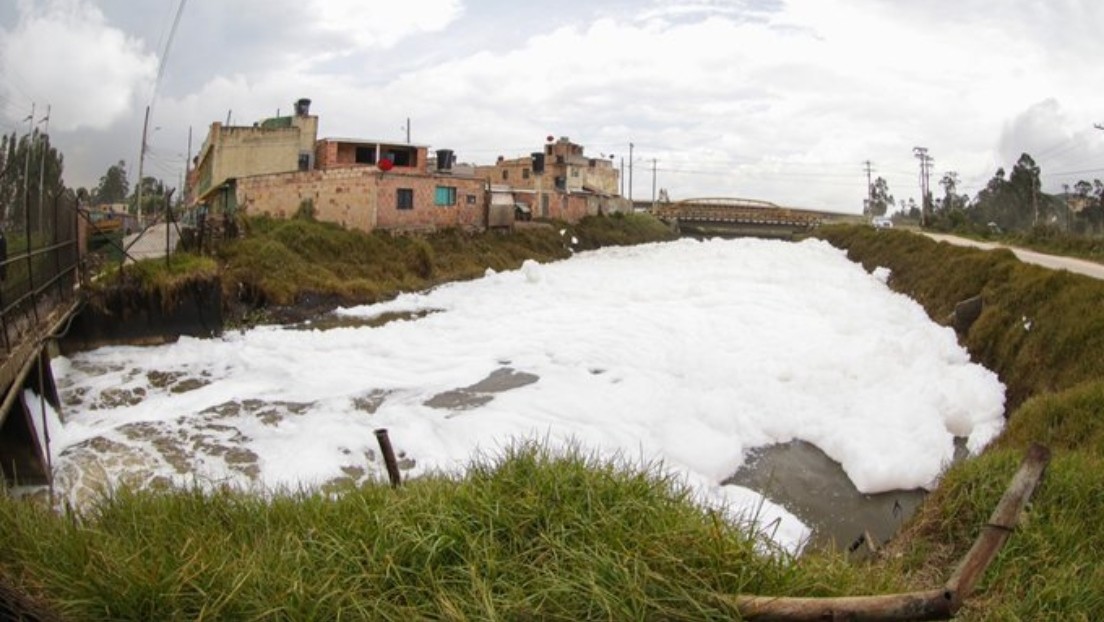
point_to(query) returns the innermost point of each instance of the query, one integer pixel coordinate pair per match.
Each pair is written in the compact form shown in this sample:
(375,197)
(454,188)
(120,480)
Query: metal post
(141,167)
(630,171)
(389,457)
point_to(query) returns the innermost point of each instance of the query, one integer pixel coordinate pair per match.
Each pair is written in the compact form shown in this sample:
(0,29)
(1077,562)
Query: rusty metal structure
(39,293)
(734,217)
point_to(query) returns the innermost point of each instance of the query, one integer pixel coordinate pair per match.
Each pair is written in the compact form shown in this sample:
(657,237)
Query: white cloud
(766,99)
(64,53)
(382,24)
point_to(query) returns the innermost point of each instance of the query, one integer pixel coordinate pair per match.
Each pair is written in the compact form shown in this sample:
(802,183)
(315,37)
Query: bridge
(735,217)
(40,264)
(44,259)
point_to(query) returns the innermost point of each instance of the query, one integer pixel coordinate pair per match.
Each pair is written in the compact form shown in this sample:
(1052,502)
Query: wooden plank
(931,605)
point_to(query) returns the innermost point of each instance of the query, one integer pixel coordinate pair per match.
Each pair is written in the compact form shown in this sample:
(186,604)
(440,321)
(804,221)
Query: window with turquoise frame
(446,195)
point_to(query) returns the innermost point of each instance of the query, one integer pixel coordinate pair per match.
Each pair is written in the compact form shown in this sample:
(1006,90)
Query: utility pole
(187,169)
(1035,200)
(653,183)
(27,176)
(142,163)
(926,161)
(869,190)
(27,209)
(42,164)
(621,178)
(408,130)
(630,171)
(1069,216)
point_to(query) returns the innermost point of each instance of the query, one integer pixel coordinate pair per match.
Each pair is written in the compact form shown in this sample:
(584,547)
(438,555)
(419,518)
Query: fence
(39,260)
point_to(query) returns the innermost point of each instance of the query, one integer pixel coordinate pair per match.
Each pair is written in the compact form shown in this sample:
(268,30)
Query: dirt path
(1054,262)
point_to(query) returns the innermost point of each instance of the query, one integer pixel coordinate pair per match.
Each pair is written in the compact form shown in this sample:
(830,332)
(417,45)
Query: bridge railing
(748,211)
(39,266)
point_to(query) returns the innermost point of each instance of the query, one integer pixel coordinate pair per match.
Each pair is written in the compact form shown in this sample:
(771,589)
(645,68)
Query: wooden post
(389,457)
(940,604)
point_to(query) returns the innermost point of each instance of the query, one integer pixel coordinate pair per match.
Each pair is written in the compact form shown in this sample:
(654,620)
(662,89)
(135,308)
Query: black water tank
(444,159)
(302,107)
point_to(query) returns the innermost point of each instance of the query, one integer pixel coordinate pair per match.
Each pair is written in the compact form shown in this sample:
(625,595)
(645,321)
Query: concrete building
(369,185)
(276,145)
(279,167)
(559,182)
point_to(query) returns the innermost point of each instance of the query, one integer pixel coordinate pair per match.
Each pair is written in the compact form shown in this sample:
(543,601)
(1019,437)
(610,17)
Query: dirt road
(1055,262)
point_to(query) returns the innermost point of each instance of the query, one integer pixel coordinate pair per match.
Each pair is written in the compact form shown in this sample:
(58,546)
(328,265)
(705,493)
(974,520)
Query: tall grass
(1043,332)
(278,262)
(530,535)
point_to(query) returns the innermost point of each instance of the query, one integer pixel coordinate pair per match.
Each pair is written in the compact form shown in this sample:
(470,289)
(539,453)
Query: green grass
(534,536)
(278,262)
(1049,568)
(528,536)
(1043,332)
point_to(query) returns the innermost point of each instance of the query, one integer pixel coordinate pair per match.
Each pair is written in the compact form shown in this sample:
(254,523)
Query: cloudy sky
(781,100)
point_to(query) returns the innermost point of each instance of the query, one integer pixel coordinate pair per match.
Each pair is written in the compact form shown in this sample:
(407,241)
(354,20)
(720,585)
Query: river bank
(1042,331)
(1046,574)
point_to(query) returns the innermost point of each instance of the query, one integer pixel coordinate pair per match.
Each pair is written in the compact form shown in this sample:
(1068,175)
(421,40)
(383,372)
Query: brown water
(334,320)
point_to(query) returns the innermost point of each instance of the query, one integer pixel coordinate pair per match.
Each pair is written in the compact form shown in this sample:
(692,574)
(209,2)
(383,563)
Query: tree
(911,209)
(881,199)
(1024,184)
(1090,218)
(951,199)
(113,186)
(153,196)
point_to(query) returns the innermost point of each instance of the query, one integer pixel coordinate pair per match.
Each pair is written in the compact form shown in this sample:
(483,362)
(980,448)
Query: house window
(400,157)
(304,161)
(525,173)
(446,195)
(505,173)
(471,199)
(365,155)
(574,172)
(404,198)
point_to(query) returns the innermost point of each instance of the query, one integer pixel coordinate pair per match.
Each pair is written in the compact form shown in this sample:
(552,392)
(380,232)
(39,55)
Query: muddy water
(334,320)
(800,477)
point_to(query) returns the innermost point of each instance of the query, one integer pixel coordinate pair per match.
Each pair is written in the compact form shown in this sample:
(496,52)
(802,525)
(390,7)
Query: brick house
(369,185)
(279,167)
(559,182)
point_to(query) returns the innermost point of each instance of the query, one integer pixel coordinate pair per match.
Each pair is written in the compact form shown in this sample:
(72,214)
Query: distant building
(559,182)
(279,167)
(277,145)
(369,185)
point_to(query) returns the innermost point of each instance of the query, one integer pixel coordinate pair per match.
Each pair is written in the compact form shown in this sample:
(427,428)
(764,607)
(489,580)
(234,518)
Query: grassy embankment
(529,535)
(570,538)
(282,262)
(1044,239)
(1043,332)
(281,268)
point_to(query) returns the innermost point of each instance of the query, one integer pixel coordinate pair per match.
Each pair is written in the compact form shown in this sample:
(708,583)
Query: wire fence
(39,265)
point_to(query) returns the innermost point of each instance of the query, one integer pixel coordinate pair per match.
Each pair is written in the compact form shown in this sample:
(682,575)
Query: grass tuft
(530,534)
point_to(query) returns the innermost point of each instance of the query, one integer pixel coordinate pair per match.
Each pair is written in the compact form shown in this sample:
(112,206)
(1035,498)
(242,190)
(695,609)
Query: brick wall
(469,212)
(342,196)
(365,199)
